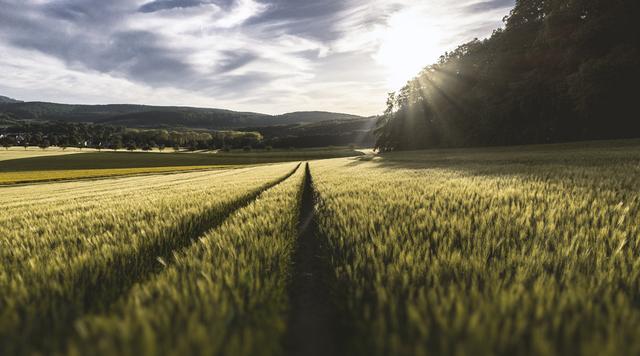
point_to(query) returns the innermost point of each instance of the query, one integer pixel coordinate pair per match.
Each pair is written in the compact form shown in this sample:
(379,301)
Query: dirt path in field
(311,319)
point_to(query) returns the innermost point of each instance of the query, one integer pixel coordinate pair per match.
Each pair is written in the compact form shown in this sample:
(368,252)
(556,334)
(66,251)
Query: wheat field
(528,251)
(486,253)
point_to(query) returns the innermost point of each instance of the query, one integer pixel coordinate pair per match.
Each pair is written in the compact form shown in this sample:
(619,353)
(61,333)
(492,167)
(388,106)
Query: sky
(269,56)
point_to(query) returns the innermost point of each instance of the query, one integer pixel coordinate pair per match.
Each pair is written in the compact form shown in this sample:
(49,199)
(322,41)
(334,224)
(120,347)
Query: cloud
(138,55)
(234,60)
(306,18)
(159,5)
(269,55)
(489,5)
(68,14)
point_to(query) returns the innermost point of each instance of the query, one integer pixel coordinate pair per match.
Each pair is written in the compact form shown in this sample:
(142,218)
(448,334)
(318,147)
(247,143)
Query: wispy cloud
(260,55)
(159,5)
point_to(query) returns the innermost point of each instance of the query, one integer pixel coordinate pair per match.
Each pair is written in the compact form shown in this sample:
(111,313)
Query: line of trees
(63,134)
(344,132)
(559,70)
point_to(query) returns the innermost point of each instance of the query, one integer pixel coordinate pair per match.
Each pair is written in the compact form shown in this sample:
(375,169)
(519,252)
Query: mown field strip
(20,152)
(224,295)
(468,258)
(62,265)
(30,177)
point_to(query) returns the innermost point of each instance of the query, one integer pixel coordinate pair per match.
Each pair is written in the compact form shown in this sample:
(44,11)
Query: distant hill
(7,100)
(308,117)
(144,116)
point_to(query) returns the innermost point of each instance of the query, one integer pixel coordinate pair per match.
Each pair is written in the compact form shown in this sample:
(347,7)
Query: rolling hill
(7,100)
(144,116)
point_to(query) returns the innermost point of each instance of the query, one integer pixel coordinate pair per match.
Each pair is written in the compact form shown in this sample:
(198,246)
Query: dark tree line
(350,139)
(64,134)
(559,70)
(344,132)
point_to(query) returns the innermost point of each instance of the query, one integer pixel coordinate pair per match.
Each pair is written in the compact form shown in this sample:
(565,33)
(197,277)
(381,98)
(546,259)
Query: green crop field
(70,249)
(531,250)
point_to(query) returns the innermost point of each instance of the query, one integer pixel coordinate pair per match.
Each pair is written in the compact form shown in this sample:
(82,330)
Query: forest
(68,134)
(558,71)
(339,132)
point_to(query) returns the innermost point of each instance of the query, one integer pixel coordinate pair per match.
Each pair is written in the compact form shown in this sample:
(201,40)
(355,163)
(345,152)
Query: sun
(408,44)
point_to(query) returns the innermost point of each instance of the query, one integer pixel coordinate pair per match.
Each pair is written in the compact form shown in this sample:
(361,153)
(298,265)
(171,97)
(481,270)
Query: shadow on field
(561,160)
(115,160)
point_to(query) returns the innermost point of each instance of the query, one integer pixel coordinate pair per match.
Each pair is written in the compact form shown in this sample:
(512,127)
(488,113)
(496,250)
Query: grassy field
(529,250)
(36,166)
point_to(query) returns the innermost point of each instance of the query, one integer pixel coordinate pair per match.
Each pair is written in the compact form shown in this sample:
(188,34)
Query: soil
(312,327)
